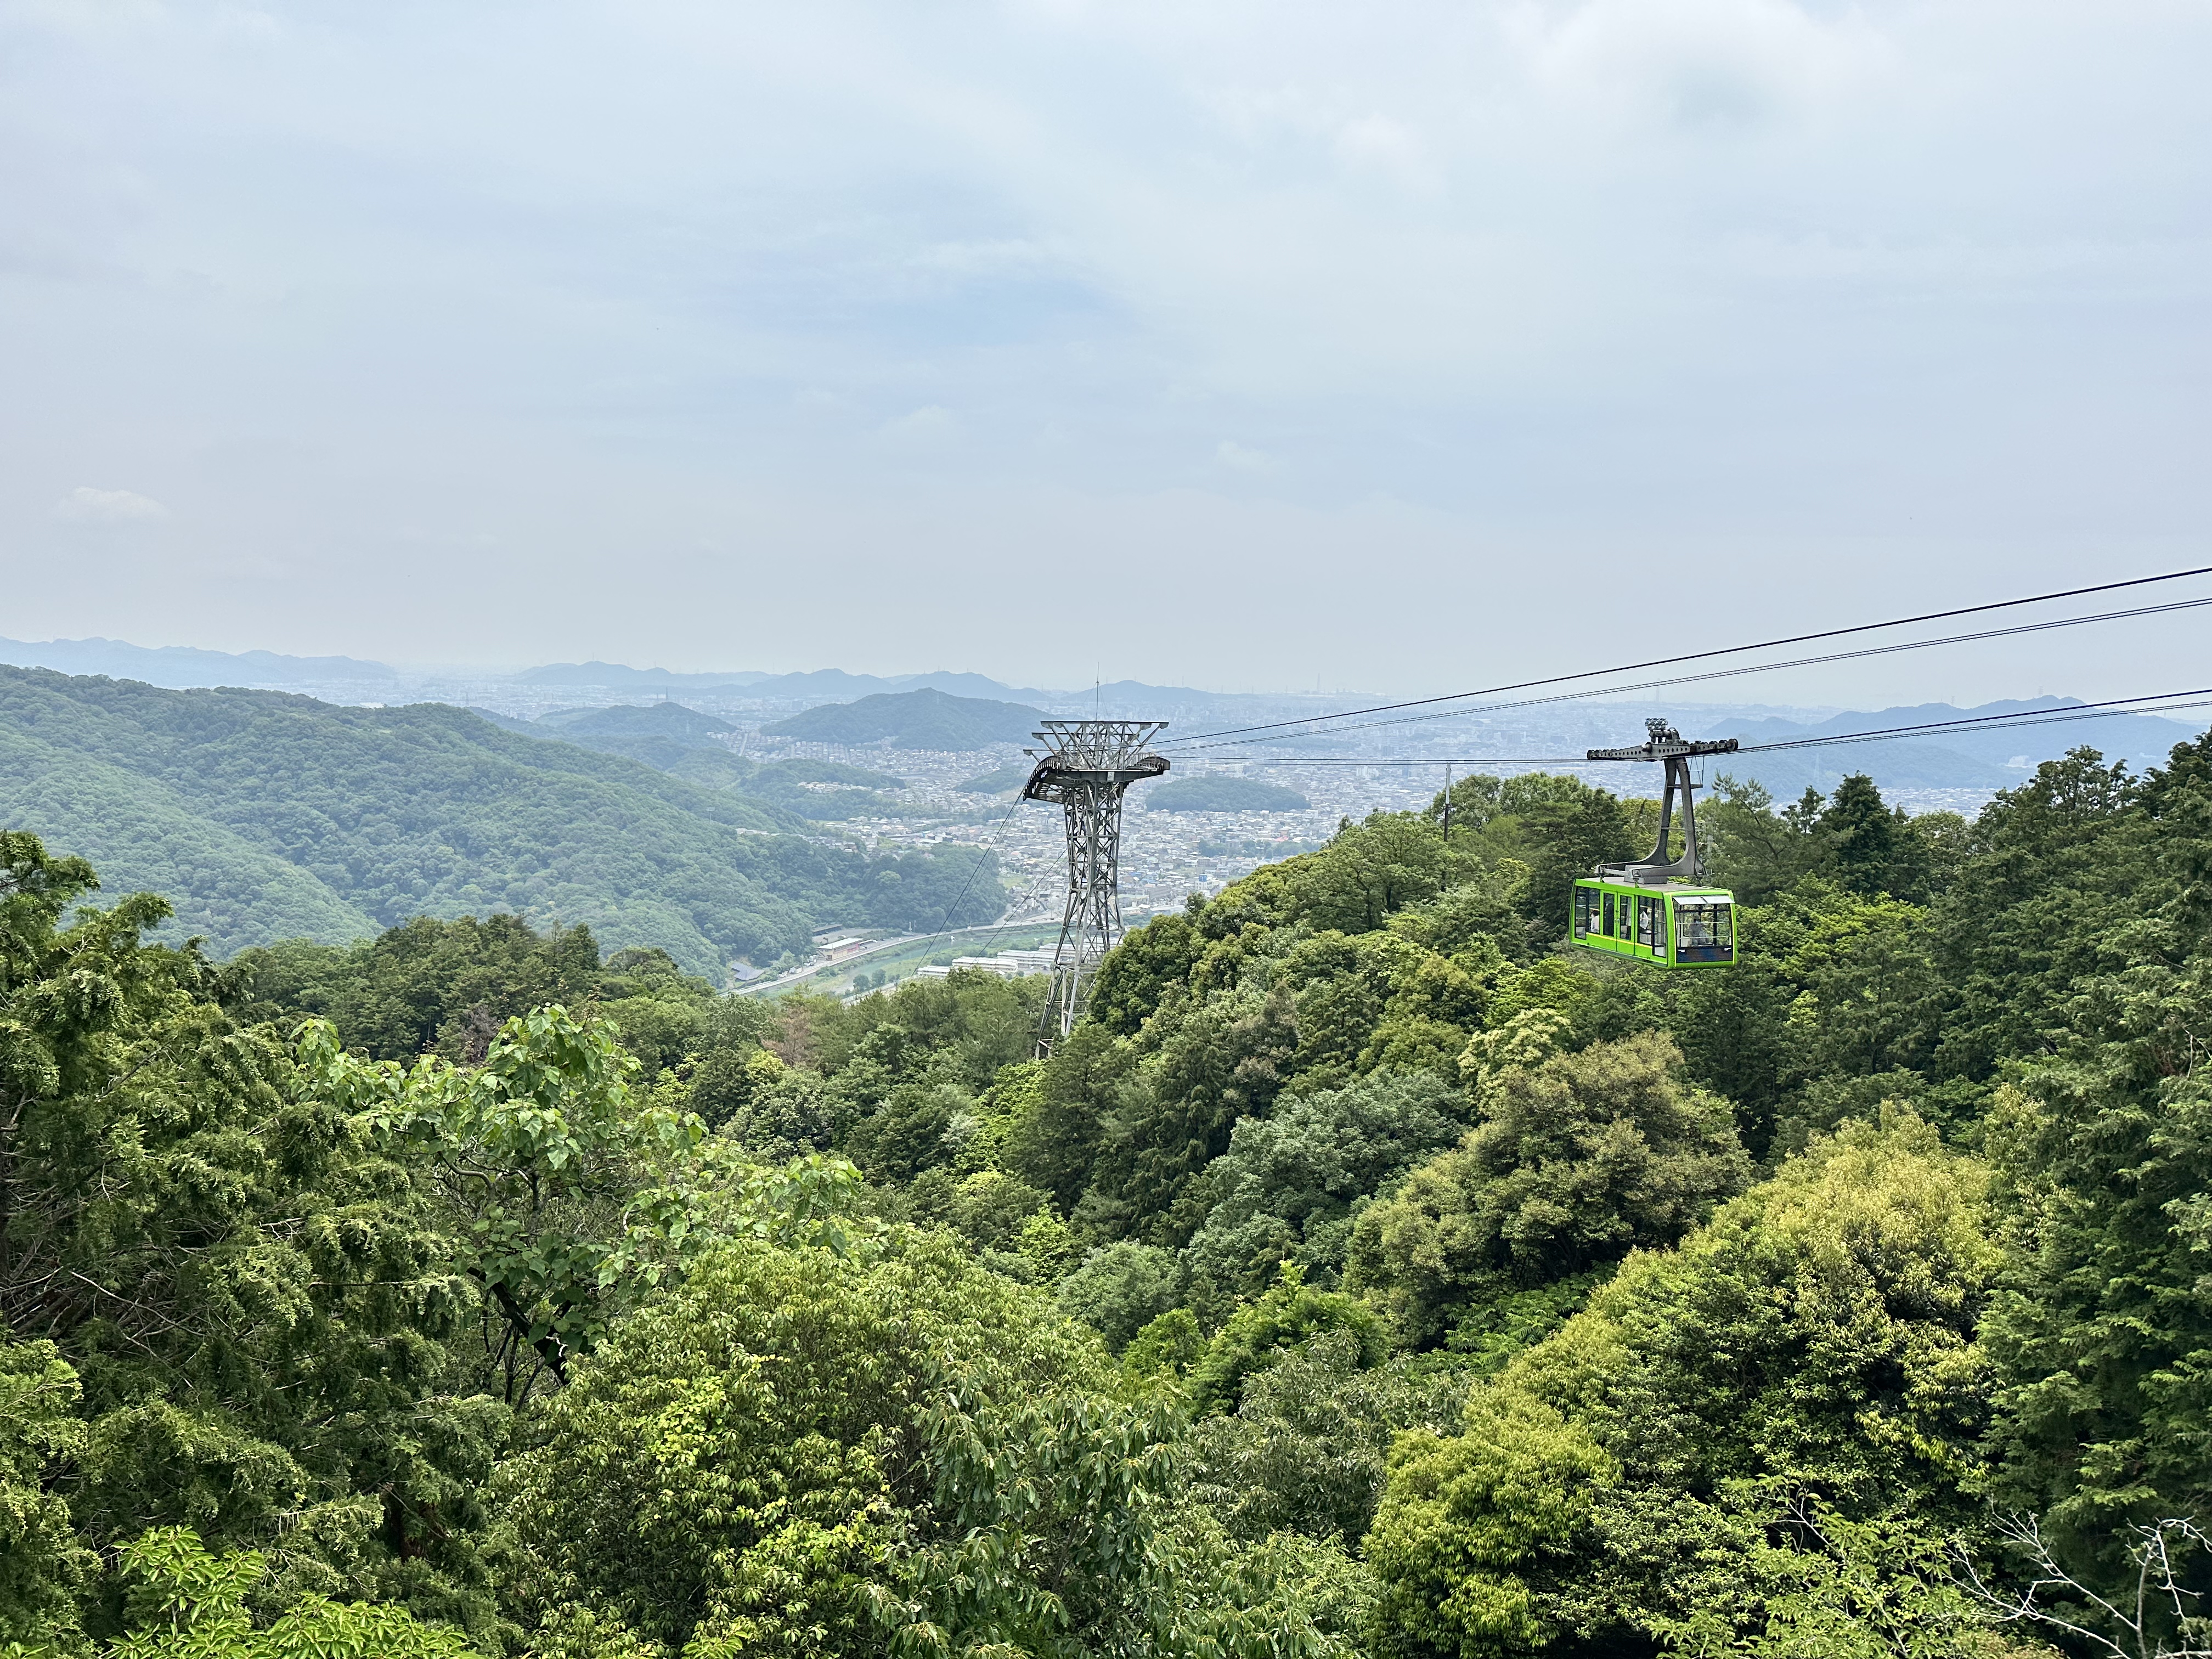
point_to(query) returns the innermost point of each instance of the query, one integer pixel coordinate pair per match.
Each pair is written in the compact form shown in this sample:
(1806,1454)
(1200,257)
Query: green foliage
(800,1452)
(1308,1445)
(1574,1163)
(183,1602)
(248,1292)
(1377,999)
(1137,976)
(1367,873)
(268,816)
(570,1198)
(1118,1289)
(1275,1324)
(1290,1184)
(1815,1337)
(1814,1583)
(42,1564)
(427,984)
(2104,1328)
(1224,1060)
(1060,1125)
(1468,1520)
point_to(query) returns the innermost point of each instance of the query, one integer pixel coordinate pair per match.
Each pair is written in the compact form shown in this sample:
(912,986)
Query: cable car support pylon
(1086,768)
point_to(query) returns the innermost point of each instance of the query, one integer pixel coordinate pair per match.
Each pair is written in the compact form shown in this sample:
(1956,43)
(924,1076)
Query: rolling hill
(264,815)
(922,718)
(685,744)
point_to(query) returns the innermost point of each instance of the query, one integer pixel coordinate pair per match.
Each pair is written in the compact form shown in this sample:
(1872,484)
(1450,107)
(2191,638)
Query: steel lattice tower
(1086,767)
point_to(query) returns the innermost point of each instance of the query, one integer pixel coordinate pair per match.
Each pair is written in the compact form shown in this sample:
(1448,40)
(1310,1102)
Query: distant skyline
(1235,345)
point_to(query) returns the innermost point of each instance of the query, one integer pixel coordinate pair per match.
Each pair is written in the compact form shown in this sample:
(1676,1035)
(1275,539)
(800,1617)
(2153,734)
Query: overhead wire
(2155,701)
(1722,651)
(1588,692)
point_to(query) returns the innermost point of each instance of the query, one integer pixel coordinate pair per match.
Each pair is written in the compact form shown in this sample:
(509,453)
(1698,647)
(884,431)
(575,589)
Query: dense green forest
(1369,1275)
(261,816)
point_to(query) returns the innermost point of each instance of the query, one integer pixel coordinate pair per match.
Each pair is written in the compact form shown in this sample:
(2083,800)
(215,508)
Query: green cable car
(1655,910)
(1671,926)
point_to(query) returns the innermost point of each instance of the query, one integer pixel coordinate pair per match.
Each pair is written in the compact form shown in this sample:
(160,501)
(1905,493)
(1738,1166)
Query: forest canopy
(1370,1274)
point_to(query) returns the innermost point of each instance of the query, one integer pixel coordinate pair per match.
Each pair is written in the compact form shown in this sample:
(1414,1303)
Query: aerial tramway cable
(1724,651)
(1588,692)
(2155,701)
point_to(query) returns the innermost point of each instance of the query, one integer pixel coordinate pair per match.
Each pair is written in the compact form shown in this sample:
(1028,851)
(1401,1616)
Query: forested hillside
(925,718)
(262,816)
(1370,1274)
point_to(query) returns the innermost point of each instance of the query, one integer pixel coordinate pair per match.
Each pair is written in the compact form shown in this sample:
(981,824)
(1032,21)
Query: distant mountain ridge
(825,683)
(180,666)
(1963,757)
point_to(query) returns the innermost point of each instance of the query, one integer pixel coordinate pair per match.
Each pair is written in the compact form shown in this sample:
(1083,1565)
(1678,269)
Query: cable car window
(1704,930)
(1647,923)
(1609,914)
(1585,910)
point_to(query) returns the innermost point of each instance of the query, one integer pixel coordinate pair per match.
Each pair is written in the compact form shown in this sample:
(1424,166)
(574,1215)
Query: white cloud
(91,506)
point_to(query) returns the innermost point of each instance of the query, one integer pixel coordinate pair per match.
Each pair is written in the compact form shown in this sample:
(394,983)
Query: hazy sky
(1244,344)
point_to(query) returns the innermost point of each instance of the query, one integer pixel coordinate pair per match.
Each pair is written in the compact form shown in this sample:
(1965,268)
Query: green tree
(1290,1184)
(1224,1059)
(1468,1520)
(2104,1330)
(1815,1337)
(1139,972)
(1573,1163)
(425,985)
(42,1564)
(183,1602)
(1862,835)
(1118,1289)
(250,1294)
(1264,1331)
(803,1453)
(1308,1445)
(1058,1130)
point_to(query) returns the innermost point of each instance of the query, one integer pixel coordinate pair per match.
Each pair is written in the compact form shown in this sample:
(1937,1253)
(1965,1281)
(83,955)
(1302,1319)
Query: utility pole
(1085,768)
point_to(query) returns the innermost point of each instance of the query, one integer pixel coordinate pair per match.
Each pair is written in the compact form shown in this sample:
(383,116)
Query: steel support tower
(1086,767)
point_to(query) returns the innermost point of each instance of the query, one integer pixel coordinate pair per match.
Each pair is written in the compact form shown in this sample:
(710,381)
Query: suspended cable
(2201,698)
(1719,674)
(989,847)
(1698,656)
